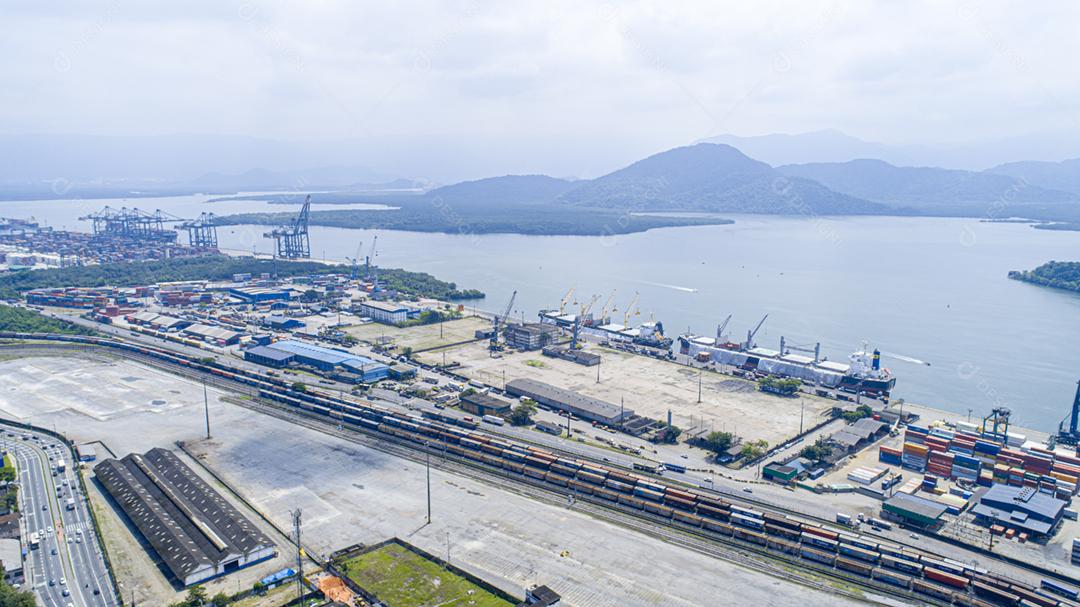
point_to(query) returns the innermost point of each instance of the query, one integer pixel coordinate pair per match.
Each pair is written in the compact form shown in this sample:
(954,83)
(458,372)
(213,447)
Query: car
(52,582)
(913,536)
(50,529)
(97,591)
(78,540)
(747,490)
(44,507)
(66,592)
(63,581)
(54,551)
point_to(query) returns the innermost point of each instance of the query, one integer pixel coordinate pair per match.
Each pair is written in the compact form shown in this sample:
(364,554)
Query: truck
(494,419)
(60,465)
(843,519)
(70,503)
(35,540)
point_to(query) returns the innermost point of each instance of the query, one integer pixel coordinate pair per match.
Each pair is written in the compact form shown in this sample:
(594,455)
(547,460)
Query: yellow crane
(608,308)
(565,299)
(630,310)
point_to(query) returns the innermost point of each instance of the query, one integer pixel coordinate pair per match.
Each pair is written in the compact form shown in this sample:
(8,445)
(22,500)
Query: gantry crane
(202,232)
(291,240)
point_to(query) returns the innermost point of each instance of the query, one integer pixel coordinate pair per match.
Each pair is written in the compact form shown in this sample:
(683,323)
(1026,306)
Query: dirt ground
(422,337)
(651,388)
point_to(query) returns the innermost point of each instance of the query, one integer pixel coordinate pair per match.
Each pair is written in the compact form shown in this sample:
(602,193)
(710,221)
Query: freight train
(905,568)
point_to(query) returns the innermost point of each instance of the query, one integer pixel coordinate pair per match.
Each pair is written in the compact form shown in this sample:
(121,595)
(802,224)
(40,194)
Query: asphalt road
(68,566)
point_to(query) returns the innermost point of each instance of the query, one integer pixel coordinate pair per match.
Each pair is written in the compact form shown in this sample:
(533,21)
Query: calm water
(925,288)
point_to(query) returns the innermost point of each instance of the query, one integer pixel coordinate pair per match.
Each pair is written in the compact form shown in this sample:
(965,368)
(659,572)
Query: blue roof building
(324,359)
(1022,508)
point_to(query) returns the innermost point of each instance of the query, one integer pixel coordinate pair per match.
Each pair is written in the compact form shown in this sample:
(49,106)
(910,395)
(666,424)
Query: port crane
(565,300)
(202,232)
(720,328)
(753,332)
(355,259)
(500,320)
(786,347)
(607,309)
(1072,435)
(131,223)
(630,310)
(371,273)
(291,240)
(580,318)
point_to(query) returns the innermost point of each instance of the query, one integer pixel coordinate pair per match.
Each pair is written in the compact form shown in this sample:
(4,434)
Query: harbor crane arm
(720,329)
(499,319)
(565,299)
(750,334)
(630,309)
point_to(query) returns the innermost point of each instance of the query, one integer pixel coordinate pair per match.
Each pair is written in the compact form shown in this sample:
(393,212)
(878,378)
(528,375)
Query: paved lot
(651,388)
(350,493)
(421,338)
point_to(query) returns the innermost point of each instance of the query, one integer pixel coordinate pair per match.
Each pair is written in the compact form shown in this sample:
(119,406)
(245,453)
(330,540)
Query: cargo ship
(861,374)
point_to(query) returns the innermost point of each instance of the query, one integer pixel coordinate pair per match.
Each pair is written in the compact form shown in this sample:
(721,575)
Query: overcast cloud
(619,78)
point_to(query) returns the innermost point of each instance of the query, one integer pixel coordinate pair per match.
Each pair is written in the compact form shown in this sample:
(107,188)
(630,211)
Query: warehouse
(585,407)
(385,312)
(268,357)
(1022,508)
(259,294)
(323,359)
(913,510)
(212,334)
(484,404)
(195,532)
(283,323)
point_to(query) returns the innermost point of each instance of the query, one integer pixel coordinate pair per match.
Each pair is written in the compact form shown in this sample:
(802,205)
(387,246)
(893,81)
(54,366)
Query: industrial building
(196,533)
(857,435)
(212,334)
(158,322)
(283,323)
(484,404)
(259,294)
(1024,509)
(530,336)
(282,353)
(585,407)
(913,510)
(11,560)
(385,312)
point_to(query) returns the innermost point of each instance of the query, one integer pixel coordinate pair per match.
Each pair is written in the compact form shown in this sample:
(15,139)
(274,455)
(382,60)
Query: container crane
(1072,435)
(500,320)
(202,232)
(751,333)
(291,240)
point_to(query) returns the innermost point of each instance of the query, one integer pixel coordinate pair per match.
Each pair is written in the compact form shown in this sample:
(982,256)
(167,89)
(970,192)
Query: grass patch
(405,579)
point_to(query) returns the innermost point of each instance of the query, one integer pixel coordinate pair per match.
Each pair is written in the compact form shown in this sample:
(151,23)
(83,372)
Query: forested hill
(1057,274)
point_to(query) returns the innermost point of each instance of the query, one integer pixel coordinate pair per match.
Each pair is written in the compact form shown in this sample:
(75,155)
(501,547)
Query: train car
(930,589)
(557,479)
(1060,589)
(860,542)
(818,531)
(513,466)
(651,485)
(782,545)
(658,509)
(994,594)
(649,494)
(536,462)
(626,479)
(687,518)
(607,494)
(1034,598)
(582,487)
(721,528)
(618,486)
(564,469)
(814,554)
(784,532)
(716,504)
(944,577)
(941,565)
(532,472)
(746,521)
(966,600)
(590,477)
(678,502)
(818,541)
(747,512)
(779,520)
(711,512)
(859,553)
(675,468)
(595,471)
(630,500)
(649,467)
(747,535)
(854,566)
(683,495)
(890,577)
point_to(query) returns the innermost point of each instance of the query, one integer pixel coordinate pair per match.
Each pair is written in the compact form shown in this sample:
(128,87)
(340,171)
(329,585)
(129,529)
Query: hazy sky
(649,75)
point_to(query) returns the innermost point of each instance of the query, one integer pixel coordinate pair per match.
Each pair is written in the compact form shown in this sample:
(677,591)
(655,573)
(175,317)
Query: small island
(1055,274)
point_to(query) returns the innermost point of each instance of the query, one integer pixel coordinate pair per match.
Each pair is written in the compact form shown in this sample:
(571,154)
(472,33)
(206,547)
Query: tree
(669,435)
(859,413)
(10,597)
(754,449)
(817,451)
(299,386)
(407,351)
(521,415)
(719,442)
(219,600)
(777,385)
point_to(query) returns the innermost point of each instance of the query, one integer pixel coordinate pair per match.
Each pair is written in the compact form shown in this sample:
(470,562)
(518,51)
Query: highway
(68,567)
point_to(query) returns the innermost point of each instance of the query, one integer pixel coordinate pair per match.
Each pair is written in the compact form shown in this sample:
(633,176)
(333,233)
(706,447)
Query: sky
(549,86)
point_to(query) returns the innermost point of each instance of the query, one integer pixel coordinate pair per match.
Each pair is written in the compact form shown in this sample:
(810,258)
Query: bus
(35,540)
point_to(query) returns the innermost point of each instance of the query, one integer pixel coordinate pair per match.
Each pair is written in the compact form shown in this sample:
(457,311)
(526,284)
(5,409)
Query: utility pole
(802,407)
(699,386)
(299,556)
(598,371)
(427,452)
(206,408)
(504,380)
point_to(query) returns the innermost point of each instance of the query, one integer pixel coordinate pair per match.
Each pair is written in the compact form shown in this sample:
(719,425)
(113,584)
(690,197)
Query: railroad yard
(351,493)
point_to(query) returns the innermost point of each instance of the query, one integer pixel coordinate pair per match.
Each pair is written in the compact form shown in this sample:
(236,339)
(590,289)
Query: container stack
(1076,550)
(966,454)
(866,476)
